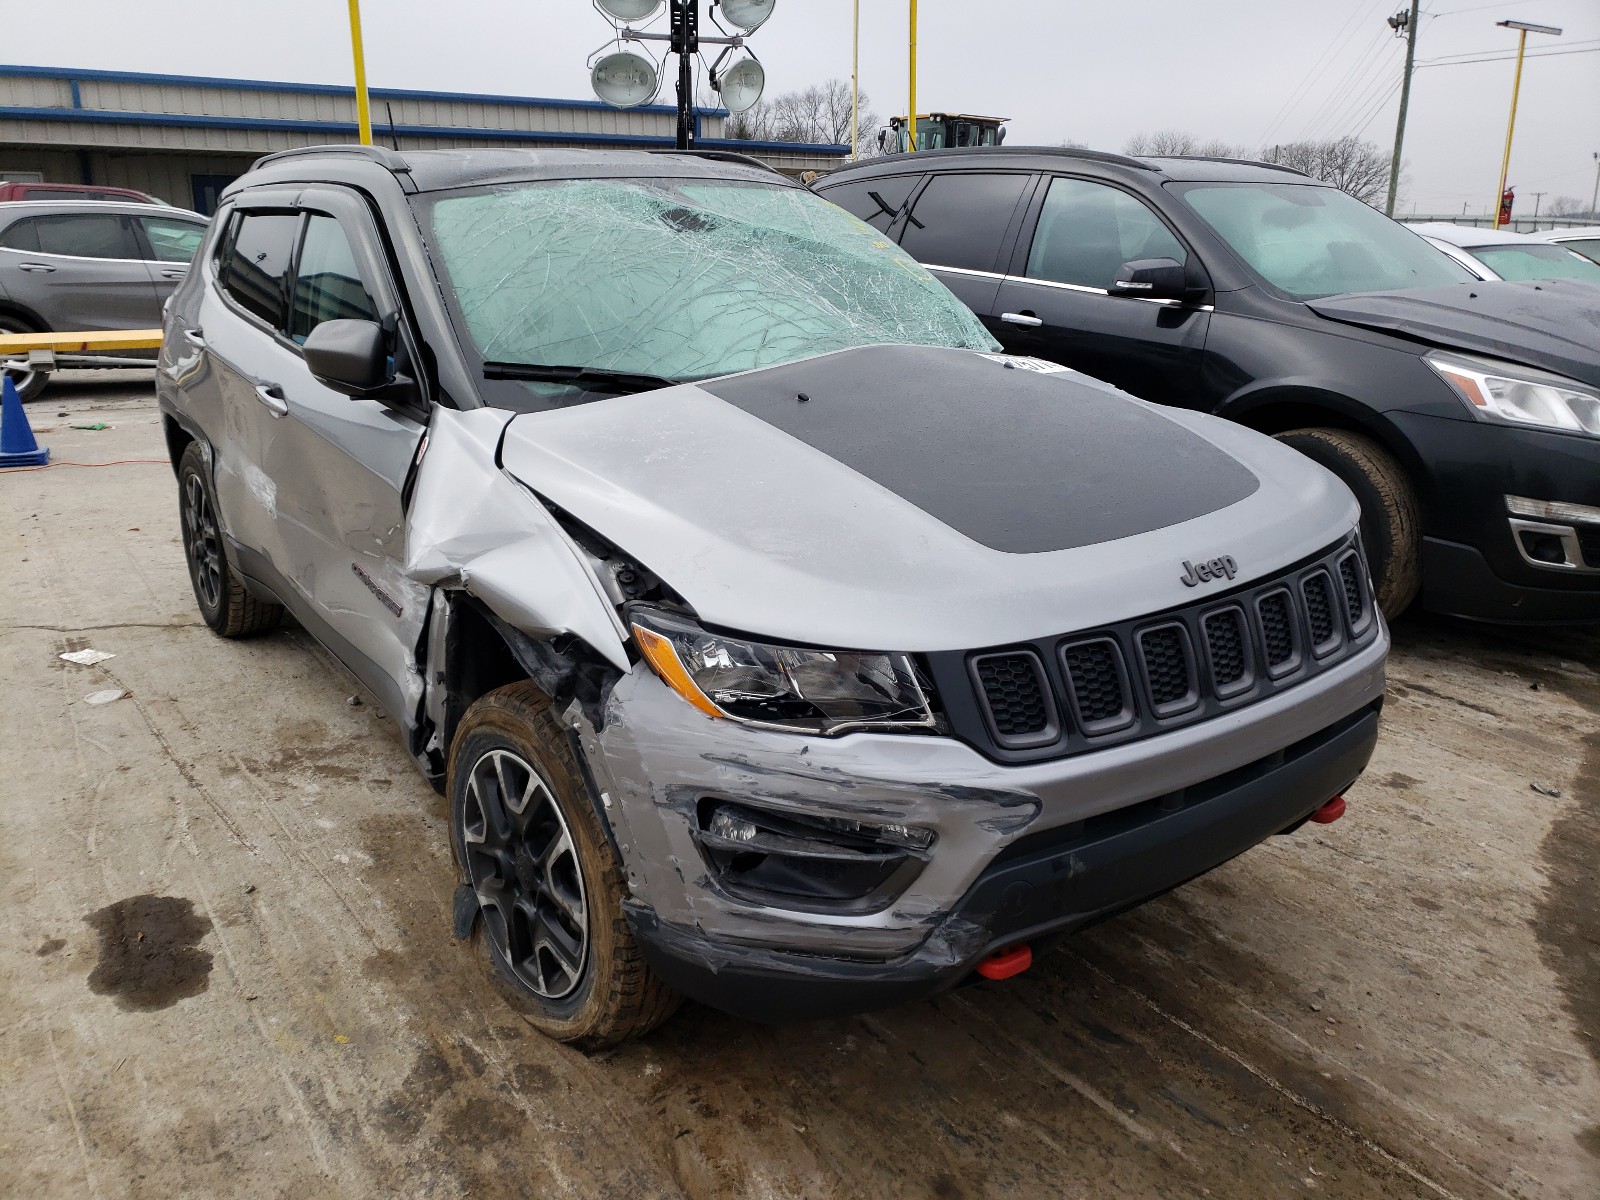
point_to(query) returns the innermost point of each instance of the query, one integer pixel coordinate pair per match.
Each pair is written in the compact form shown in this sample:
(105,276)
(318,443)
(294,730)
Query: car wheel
(29,383)
(548,883)
(227,607)
(1391,529)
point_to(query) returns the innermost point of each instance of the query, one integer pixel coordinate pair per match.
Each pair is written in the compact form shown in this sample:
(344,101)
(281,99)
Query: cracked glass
(680,279)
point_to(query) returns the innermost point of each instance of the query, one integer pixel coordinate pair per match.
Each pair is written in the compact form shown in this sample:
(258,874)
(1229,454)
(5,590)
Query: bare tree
(1348,163)
(1164,143)
(1567,206)
(819,115)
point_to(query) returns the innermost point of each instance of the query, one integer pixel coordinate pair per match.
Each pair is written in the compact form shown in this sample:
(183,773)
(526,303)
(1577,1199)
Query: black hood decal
(1553,324)
(1017,460)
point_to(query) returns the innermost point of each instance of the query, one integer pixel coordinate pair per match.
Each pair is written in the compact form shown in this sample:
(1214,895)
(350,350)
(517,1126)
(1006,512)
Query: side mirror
(1152,278)
(348,356)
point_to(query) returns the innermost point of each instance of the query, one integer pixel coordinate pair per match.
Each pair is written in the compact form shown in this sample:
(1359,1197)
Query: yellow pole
(363,110)
(855,83)
(1505,161)
(912,116)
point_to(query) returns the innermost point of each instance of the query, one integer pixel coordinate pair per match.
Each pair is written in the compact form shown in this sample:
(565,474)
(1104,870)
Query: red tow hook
(1329,812)
(1003,964)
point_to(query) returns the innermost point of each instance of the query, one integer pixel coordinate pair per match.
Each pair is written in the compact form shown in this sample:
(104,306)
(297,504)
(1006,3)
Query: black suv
(1464,415)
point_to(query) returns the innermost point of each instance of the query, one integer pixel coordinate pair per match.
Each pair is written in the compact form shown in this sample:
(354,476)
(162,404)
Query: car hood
(910,498)
(1553,324)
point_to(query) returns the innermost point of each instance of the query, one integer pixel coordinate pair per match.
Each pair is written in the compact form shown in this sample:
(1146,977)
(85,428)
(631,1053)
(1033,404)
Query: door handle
(1026,319)
(271,395)
(37,267)
(175,273)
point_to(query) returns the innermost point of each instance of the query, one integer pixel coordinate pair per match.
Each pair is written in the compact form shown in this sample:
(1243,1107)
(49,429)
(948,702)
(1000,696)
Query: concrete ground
(226,965)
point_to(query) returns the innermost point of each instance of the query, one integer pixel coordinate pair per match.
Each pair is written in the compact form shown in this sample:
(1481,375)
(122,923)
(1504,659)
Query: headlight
(781,687)
(1520,396)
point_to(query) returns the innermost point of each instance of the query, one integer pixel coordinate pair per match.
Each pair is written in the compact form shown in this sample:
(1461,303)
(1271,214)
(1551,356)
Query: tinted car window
(328,286)
(78,235)
(172,240)
(876,201)
(1088,230)
(257,261)
(1588,247)
(959,220)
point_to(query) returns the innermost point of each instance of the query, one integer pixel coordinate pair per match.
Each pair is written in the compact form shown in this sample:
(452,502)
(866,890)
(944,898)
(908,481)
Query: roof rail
(1236,162)
(1120,160)
(377,154)
(733,156)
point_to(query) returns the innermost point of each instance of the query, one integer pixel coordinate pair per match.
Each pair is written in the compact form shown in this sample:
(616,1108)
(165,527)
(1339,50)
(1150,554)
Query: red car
(73,191)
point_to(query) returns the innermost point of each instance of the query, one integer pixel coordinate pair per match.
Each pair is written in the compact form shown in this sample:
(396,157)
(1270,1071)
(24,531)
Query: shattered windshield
(681,279)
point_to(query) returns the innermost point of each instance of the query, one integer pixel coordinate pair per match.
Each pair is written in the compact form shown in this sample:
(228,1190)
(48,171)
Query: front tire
(548,883)
(1391,529)
(224,604)
(29,383)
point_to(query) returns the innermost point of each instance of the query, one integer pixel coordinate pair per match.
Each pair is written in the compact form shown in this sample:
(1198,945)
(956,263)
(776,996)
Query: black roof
(438,170)
(1188,169)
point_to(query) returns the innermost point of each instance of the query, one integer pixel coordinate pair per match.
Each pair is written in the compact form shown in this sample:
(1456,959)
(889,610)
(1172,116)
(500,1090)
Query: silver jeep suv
(776,639)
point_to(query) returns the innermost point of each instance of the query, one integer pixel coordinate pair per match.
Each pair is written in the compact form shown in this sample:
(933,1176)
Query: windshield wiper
(595,379)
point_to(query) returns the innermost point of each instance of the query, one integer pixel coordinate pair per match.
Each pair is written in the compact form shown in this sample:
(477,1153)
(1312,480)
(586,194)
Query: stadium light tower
(627,79)
(1523,29)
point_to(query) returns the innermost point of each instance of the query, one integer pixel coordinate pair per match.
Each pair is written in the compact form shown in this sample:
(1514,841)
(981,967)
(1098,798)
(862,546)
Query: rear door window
(328,285)
(960,220)
(74,235)
(1087,230)
(876,201)
(255,267)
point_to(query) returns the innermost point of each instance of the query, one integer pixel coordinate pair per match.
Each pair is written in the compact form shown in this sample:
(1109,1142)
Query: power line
(1355,97)
(1509,57)
(1339,88)
(1330,52)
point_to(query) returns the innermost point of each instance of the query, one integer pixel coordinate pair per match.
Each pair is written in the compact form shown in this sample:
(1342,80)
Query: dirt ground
(226,965)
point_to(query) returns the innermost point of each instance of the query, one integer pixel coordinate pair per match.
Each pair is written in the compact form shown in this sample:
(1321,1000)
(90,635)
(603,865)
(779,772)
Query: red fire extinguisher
(1506,200)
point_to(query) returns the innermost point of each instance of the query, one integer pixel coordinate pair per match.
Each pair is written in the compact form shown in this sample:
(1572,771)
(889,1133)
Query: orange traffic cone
(17,445)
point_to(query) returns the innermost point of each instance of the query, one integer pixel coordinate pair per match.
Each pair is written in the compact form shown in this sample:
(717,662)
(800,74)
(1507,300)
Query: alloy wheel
(524,869)
(201,541)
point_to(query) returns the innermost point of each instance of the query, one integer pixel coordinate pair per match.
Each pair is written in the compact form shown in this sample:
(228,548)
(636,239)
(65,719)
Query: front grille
(1014,697)
(1057,696)
(1227,642)
(1168,669)
(1098,685)
(1320,613)
(1355,592)
(1277,629)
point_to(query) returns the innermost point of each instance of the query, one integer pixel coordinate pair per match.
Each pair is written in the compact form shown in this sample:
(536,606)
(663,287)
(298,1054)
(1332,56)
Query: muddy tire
(28,383)
(224,604)
(1391,528)
(549,885)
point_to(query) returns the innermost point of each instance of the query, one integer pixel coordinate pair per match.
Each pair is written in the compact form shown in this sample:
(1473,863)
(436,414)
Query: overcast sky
(1245,71)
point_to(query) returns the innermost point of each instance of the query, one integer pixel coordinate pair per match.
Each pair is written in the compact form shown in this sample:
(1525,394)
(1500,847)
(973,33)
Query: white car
(1583,239)
(1501,254)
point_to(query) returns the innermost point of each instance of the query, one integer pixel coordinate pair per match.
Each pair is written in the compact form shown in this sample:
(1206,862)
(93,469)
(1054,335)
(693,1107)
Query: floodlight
(625,80)
(747,14)
(1528,27)
(741,85)
(629,10)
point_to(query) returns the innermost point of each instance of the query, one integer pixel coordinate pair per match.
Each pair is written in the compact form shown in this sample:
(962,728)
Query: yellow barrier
(97,342)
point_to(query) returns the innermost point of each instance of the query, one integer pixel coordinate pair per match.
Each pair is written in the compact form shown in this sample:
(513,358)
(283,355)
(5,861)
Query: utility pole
(1537,196)
(912,115)
(1594,200)
(855,83)
(1408,22)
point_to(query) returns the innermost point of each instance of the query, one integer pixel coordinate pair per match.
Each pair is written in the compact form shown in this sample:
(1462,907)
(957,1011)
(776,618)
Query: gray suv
(777,640)
(74,266)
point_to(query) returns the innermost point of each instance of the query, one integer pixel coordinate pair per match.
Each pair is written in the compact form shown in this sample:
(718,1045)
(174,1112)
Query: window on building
(328,286)
(254,270)
(960,220)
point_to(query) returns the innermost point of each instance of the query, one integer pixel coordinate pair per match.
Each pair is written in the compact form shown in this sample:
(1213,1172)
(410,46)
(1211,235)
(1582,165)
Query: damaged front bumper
(971,855)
